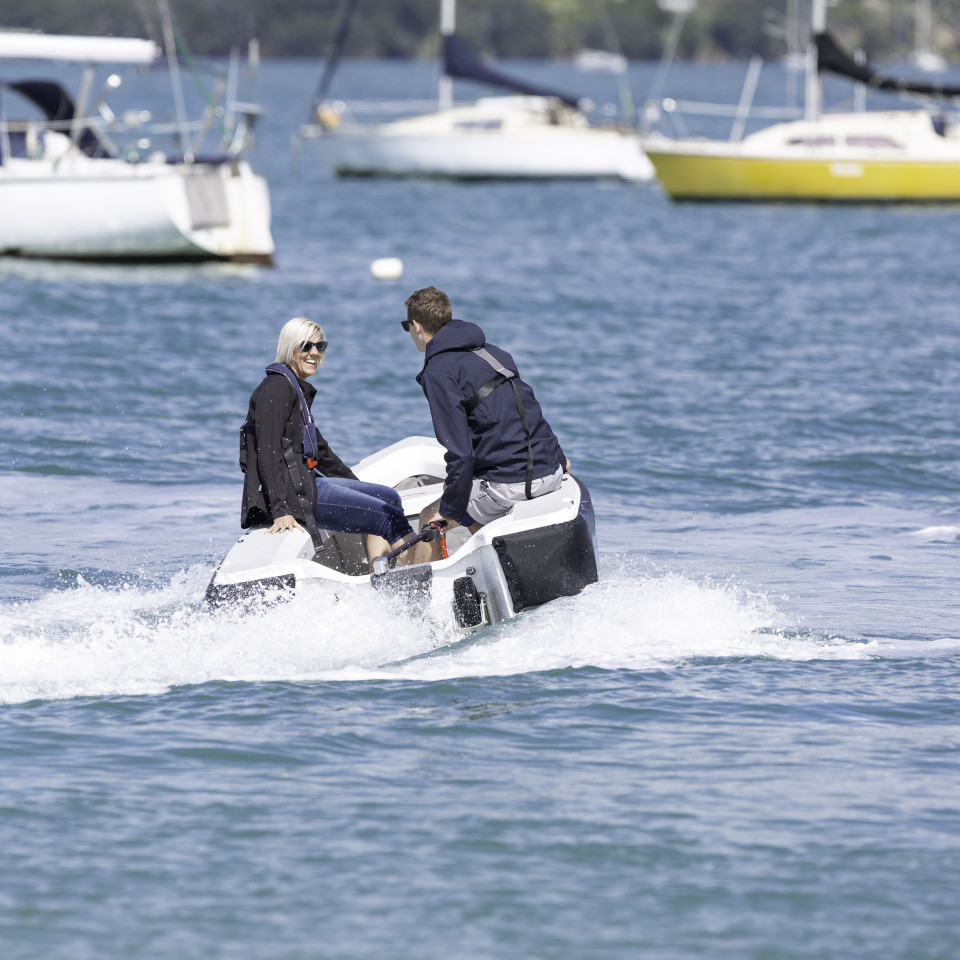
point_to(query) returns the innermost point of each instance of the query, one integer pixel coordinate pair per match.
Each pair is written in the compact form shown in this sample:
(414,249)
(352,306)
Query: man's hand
(437,518)
(284,523)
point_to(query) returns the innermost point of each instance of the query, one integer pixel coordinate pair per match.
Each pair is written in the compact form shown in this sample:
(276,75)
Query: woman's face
(305,365)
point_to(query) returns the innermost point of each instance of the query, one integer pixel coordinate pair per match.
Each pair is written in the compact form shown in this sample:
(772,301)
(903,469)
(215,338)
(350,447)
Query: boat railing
(332,114)
(741,112)
(133,136)
(674,111)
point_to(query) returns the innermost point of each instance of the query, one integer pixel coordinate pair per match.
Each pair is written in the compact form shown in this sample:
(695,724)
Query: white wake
(94,641)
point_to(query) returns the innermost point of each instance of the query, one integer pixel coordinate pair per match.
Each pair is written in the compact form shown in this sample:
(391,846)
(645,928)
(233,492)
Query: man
(500,450)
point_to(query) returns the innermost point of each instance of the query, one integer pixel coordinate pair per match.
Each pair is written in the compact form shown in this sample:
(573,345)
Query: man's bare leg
(431,550)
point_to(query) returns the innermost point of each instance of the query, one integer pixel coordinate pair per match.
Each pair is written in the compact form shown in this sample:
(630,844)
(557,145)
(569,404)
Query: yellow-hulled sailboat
(878,156)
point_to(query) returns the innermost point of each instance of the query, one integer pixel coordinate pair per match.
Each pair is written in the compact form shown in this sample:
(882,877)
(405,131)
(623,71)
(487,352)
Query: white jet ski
(542,549)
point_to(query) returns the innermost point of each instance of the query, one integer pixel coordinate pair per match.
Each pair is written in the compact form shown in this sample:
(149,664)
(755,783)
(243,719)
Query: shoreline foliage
(536,29)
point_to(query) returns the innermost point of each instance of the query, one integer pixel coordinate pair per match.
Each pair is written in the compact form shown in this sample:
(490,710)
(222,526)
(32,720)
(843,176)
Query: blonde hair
(293,333)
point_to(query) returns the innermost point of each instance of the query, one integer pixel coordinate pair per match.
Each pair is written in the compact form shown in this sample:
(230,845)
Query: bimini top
(16,45)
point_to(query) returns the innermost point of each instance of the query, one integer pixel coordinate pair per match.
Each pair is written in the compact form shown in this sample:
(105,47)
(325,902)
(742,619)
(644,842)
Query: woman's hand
(284,523)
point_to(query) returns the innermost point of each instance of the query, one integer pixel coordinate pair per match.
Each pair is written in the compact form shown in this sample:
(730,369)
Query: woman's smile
(305,365)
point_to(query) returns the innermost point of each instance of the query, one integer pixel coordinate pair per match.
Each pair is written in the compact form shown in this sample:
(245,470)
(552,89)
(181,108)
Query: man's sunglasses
(308,345)
(406,324)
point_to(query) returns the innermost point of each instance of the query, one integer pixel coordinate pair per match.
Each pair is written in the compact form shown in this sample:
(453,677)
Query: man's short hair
(430,307)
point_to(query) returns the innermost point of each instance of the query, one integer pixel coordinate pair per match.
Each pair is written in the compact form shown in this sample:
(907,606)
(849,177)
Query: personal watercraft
(542,549)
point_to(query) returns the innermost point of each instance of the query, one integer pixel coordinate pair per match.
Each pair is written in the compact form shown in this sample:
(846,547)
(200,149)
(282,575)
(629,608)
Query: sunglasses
(406,324)
(308,345)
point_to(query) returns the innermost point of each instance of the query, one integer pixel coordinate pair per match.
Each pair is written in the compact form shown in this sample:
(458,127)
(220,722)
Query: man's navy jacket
(490,442)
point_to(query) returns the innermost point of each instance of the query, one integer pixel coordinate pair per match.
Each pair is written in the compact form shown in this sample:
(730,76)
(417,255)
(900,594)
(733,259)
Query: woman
(284,449)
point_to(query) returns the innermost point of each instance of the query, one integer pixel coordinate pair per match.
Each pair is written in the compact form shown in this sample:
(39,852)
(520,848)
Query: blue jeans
(353,506)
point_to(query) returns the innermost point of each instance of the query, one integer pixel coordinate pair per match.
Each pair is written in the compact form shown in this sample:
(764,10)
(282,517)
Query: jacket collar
(309,390)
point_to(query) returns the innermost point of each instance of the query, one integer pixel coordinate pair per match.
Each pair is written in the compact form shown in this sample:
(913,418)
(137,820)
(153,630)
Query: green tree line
(552,29)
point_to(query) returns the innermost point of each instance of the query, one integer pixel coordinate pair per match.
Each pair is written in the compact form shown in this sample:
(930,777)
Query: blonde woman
(293,480)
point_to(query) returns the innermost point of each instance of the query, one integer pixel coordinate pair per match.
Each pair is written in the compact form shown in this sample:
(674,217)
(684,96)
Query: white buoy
(387,268)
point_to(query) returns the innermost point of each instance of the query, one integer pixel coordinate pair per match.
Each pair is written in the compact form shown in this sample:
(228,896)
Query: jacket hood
(455,335)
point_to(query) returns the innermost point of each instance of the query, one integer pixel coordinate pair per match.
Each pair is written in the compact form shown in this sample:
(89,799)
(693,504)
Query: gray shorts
(490,499)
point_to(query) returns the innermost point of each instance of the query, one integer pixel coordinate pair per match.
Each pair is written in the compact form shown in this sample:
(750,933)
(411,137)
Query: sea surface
(743,742)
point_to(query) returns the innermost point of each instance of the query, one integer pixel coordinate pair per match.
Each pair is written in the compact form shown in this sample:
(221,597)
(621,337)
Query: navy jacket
(490,442)
(271,488)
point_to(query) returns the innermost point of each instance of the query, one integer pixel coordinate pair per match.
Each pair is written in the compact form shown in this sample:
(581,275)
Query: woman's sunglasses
(308,345)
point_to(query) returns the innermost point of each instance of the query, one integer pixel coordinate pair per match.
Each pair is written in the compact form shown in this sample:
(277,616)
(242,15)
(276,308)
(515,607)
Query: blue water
(742,743)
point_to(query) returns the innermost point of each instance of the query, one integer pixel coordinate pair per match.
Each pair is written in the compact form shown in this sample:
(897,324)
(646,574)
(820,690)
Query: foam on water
(93,640)
(938,534)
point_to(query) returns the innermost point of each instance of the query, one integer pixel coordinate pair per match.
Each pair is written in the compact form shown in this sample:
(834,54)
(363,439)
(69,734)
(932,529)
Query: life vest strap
(484,392)
(503,375)
(308,428)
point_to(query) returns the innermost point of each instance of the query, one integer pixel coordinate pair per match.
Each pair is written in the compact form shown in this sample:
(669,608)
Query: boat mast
(173,66)
(333,57)
(448,24)
(814,89)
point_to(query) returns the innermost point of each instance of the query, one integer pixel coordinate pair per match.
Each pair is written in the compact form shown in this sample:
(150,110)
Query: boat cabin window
(939,125)
(873,141)
(16,142)
(479,124)
(811,142)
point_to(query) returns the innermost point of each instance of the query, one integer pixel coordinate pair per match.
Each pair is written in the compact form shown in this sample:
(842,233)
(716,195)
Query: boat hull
(83,208)
(542,550)
(692,177)
(479,156)
(882,156)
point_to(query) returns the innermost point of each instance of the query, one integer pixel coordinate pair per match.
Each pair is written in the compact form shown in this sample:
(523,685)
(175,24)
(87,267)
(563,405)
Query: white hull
(102,208)
(496,138)
(488,156)
(543,549)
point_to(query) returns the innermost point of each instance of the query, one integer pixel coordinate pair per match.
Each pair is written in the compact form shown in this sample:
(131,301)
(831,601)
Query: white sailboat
(534,134)
(887,156)
(79,183)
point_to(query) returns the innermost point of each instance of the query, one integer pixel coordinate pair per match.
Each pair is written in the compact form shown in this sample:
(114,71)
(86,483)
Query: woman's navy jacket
(490,442)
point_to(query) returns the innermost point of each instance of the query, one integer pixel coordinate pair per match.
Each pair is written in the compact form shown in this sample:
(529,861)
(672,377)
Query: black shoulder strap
(285,371)
(306,417)
(503,375)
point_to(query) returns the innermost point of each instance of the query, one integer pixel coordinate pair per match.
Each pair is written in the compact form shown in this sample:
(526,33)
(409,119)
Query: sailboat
(883,156)
(537,133)
(81,183)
